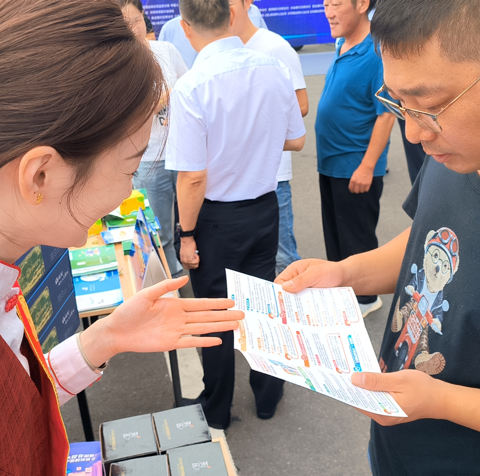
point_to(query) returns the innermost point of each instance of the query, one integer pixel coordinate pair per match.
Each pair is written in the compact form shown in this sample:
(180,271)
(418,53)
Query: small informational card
(315,338)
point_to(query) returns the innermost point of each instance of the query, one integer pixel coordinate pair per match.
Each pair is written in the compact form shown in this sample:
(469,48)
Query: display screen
(299,21)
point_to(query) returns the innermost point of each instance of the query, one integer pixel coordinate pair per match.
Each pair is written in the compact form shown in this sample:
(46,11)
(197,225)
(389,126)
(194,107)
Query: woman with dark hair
(75,119)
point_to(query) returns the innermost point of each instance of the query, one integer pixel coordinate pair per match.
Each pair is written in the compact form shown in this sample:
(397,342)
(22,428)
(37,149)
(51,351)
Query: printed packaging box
(181,426)
(191,460)
(98,291)
(150,466)
(63,325)
(50,295)
(127,438)
(85,459)
(131,204)
(35,264)
(96,259)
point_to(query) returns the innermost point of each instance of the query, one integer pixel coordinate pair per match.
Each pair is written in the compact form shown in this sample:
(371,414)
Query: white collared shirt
(173,67)
(67,366)
(231,114)
(274,45)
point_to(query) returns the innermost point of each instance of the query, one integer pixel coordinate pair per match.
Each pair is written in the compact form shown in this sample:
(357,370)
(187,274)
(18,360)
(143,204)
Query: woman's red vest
(33,440)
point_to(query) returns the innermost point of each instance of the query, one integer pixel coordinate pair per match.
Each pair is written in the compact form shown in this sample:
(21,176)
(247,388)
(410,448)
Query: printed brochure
(315,338)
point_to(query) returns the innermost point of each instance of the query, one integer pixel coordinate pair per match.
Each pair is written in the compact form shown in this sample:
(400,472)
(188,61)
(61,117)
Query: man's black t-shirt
(434,323)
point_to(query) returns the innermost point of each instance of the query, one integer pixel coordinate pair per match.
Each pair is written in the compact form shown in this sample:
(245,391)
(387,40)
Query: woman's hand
(146,323)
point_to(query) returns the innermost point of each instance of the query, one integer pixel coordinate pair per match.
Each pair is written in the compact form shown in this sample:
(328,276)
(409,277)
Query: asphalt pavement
(310,434)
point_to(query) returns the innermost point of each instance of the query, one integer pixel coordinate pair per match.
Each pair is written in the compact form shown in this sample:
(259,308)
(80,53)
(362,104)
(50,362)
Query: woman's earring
(39,198)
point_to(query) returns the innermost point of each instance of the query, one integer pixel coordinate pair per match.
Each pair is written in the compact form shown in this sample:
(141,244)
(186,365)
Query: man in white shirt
(274,45)
(232,116)
(173,32)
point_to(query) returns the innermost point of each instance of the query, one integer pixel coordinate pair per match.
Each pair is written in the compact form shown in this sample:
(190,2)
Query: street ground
(310,434)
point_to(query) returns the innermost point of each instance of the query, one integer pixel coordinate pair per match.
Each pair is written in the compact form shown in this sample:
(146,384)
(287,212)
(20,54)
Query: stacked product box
(173,442)
(47,284)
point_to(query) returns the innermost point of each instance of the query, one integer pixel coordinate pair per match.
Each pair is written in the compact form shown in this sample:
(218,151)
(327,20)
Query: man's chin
(456,164)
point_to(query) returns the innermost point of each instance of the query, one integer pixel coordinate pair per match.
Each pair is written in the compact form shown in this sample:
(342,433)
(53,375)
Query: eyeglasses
(445,265)
(424,119)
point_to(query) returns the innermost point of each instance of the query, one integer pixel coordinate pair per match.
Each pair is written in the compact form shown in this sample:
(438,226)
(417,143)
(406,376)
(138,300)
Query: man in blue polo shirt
(353,135)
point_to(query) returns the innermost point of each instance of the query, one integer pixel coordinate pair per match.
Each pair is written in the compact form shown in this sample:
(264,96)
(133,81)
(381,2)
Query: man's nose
(416,133)
(437,269)
(329,12)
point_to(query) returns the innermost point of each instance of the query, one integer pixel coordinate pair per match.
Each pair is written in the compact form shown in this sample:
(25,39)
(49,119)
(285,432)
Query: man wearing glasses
(353,135)
(431,57)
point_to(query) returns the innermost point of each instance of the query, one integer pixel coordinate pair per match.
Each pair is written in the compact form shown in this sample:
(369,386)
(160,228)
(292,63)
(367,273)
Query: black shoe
(271,413)
(189,401)
(220,426)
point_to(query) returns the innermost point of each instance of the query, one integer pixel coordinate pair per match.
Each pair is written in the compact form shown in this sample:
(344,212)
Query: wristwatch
(184,234)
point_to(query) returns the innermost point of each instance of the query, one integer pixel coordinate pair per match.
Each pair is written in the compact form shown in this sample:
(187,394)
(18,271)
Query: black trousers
(414,153)
(242,236)
(349,220)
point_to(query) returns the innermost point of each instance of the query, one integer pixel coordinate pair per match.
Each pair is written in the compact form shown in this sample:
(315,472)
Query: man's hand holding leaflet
(315,339)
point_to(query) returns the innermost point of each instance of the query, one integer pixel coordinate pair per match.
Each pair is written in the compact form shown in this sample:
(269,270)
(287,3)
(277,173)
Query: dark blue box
(63,325)
(35,264)
(51,294)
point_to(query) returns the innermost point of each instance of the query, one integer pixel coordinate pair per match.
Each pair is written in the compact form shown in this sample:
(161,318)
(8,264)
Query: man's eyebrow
(138,154)
(419,91)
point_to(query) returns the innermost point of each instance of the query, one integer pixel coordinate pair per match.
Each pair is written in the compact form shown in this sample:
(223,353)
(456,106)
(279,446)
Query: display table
(129,288)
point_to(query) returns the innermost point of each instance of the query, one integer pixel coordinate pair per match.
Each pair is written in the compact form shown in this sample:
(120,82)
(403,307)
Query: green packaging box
(181,426)
(197,459)
(127,438)
(97,259)
(35,264)
(151,466)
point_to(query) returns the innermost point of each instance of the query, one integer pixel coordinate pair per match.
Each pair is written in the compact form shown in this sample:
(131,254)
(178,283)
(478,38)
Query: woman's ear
(32,174)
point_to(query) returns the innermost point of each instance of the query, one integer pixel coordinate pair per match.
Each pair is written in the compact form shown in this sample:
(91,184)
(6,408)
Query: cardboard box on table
(149,466)
(181,426)
(127,438)
(189,460)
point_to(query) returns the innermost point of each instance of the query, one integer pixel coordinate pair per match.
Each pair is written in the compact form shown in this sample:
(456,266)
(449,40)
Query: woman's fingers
(206,304)
(213,316)
(192,341)
(210,327)
(158,290)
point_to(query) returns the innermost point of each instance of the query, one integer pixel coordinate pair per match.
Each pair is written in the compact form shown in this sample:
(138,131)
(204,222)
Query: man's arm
(295,145)
(302,98)
(362,178)
(190,195)
(374,272)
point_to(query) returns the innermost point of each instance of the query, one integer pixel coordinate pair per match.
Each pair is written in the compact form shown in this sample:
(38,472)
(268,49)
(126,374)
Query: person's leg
(287,245)
(160,185)
(221,244)
(260,263)
(330,232)
(357,218)
(414,153)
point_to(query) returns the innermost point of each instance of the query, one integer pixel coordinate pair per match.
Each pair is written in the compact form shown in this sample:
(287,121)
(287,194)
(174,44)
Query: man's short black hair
(403,27)
(210,15)
(370,7)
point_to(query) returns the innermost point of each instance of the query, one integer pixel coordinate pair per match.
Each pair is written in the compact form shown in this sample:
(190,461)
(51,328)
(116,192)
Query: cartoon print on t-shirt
(424,311)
